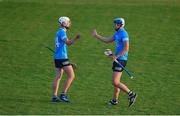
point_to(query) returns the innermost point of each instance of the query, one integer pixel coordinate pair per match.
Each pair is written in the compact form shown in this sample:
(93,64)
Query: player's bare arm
(101,38)
(70,42)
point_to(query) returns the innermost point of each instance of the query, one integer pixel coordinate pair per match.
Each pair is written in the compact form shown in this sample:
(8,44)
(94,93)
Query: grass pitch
(27,68)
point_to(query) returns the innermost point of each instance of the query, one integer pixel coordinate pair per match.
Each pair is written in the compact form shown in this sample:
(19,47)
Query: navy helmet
(119,21)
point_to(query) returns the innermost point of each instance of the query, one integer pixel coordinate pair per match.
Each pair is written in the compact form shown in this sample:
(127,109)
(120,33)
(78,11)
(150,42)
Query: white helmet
(119,21)
(64,19)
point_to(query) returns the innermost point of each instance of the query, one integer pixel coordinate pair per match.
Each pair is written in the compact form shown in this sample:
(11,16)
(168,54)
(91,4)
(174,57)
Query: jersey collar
(63,28)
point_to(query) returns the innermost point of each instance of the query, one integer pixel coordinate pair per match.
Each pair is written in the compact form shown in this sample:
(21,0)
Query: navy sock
(63,94)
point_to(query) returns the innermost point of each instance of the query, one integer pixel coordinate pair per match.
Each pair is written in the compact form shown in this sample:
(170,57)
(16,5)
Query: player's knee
(59,75)
(72,76)
(114,83)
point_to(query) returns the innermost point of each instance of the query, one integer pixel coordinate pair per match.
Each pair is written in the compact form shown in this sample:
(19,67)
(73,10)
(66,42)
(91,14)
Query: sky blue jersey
(120,37)
(60,45)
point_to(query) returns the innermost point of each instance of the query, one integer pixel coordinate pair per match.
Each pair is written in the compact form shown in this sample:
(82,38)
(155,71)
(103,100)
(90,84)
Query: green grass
(27,68)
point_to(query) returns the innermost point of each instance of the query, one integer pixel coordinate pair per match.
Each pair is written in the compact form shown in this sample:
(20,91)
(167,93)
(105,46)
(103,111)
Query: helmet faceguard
(119,22)
(65,22)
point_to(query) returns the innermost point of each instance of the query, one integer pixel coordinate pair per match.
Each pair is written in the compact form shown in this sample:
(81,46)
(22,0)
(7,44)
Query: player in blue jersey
(121,39)
(61,60)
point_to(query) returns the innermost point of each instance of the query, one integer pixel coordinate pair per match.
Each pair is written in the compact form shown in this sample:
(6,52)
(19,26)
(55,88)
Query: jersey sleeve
(114,36)
(125,37)
(62,35)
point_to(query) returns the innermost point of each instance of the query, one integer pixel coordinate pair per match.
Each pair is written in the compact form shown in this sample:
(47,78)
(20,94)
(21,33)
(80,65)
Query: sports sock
(130,93)
(63,93)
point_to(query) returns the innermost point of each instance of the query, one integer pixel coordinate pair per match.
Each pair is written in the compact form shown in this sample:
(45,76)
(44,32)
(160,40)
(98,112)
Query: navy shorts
(117,68)
(60,63)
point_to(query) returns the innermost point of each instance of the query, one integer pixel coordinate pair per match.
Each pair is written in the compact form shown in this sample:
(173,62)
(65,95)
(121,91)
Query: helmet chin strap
(119,26)
(117,29)
(64,25)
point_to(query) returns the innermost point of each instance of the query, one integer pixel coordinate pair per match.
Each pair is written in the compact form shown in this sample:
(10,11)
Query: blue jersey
(60,45)
(120,37)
